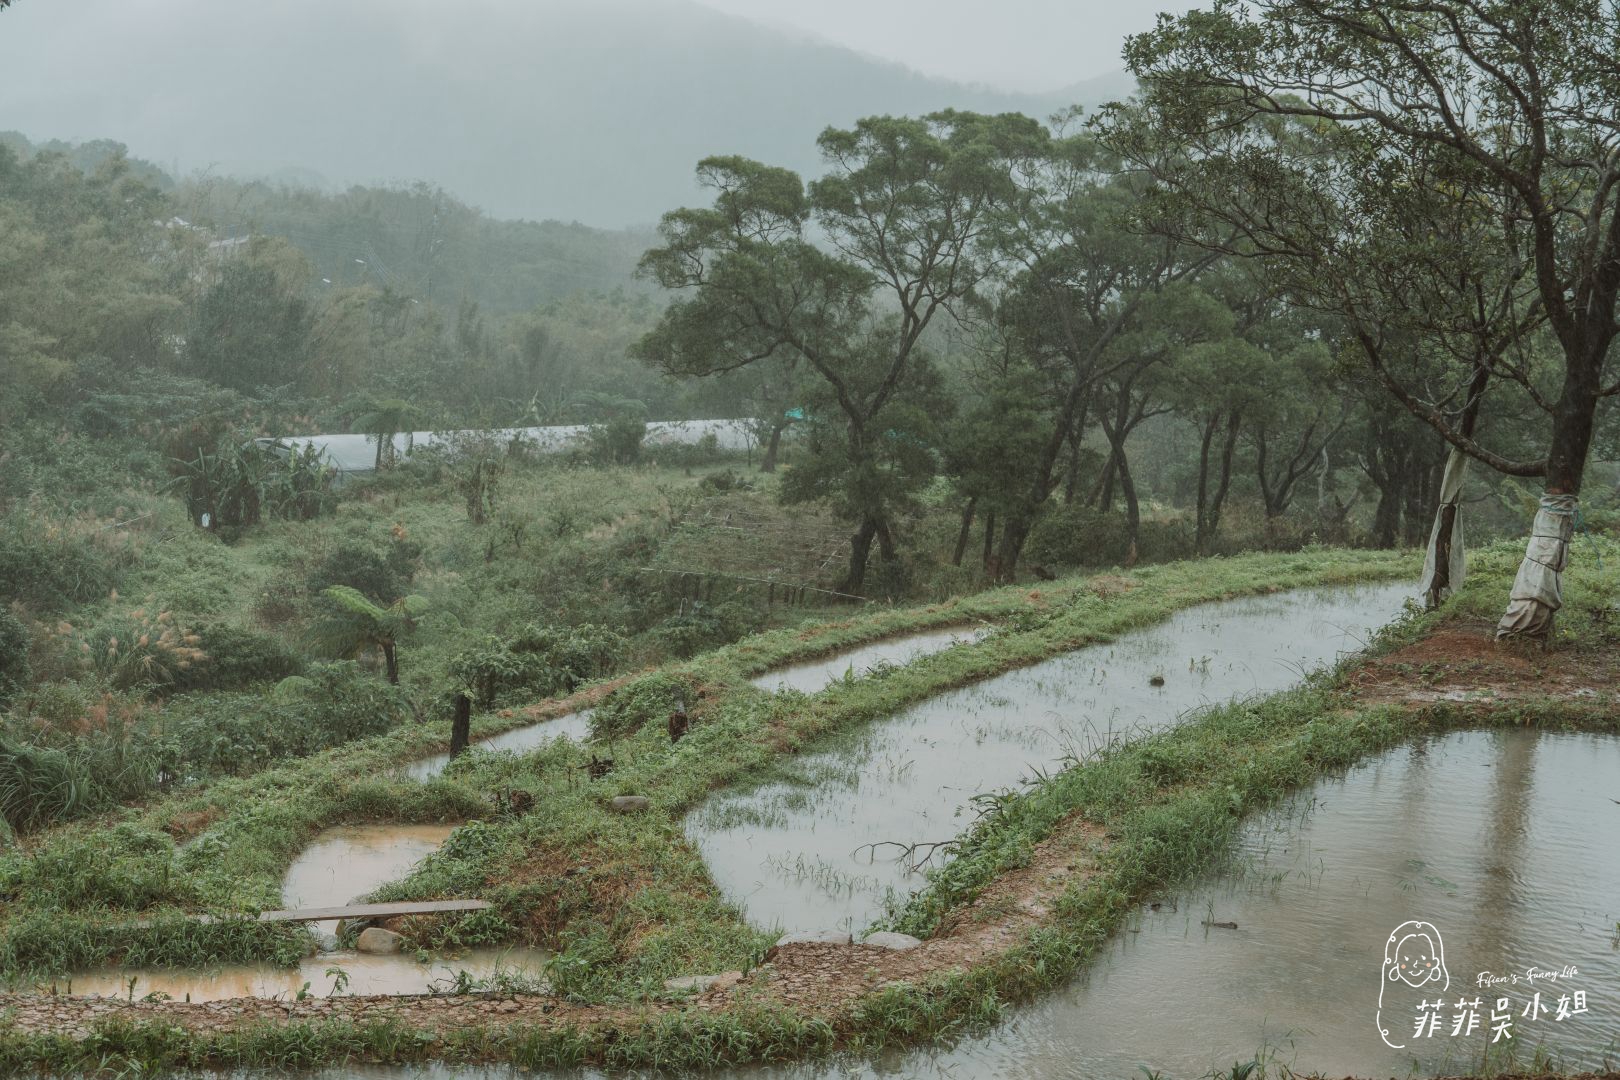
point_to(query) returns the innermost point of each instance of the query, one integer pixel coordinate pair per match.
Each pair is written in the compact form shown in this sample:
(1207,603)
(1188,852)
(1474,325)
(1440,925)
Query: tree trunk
(1208,516)
(962,533)
(1019,514)
(461,725)
(1133,510)
(1387,517)
(1105,497)
(1445,564)
(1201,529)
(989,539)
(390,662)
(1538,589)
(860,548)
(1073,479)
(769,463)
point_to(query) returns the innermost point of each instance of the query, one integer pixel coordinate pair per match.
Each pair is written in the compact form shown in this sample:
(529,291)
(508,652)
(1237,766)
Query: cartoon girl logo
(1414,955)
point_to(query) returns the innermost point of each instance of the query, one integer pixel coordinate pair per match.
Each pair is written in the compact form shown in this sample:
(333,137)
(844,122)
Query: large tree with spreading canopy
(842,277)
(1440,173)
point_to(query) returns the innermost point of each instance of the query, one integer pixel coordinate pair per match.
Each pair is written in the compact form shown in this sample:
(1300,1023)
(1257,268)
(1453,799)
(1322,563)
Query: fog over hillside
(591,110)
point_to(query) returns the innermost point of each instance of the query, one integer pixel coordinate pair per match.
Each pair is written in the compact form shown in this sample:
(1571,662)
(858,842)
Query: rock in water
(374,939)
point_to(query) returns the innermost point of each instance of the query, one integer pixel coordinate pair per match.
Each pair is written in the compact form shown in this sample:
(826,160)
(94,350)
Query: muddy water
(1503,841)
(346,863)
(574,725)
(817,674)
(791,851)
(341,865)
(395,974)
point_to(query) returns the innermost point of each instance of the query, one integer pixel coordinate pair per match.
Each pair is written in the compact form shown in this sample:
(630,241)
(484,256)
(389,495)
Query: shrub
(618,441)
(52,565)
(651,697)
(726,480)
(14,642)
(40,785)
(705,626)
(132,873)
(237,658)
(238,733)
(383,578)
(141,648)
(1077,535)
(539,661)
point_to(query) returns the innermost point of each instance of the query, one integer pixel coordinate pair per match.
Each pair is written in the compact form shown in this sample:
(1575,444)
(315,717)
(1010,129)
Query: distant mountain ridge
(587,110)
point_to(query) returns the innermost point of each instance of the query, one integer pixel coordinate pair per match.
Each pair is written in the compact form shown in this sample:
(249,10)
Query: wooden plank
(374,911)
(351,911)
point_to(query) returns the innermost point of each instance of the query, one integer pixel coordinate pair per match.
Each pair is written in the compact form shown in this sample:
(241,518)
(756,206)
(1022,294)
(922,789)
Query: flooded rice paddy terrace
(815,675)
(574,725)
(1502,841)
(341,865)
(1498,840)
(790,851)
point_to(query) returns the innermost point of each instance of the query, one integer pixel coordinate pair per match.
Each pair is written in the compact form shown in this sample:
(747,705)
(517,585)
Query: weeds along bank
(623,899)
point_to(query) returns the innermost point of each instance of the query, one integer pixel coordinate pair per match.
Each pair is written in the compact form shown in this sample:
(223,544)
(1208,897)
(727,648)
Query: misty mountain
(591,110)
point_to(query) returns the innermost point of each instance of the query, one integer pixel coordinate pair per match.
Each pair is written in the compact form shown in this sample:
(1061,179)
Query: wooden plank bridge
(354,911)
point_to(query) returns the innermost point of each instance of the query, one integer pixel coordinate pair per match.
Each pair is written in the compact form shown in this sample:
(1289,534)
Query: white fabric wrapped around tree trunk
(1538,590)
(1455,564)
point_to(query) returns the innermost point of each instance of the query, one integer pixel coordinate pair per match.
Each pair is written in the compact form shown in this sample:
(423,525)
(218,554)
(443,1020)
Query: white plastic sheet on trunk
(1456,565)
(1537,591)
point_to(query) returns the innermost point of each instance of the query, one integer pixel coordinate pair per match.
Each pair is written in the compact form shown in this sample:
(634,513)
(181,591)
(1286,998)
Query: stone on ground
(631,804)
(887,939)
(701,983)
(817,937)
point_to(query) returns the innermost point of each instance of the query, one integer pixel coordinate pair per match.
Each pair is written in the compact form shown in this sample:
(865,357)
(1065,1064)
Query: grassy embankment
(639,906)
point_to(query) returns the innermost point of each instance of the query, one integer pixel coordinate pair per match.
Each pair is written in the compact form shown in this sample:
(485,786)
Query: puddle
(790,852)
(346,863)
(367,974)
(574,725)
(1489,836)
(816,675)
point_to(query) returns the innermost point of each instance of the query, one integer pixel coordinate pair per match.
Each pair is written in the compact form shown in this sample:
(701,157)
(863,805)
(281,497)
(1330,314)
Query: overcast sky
(588,110)
(1026,45)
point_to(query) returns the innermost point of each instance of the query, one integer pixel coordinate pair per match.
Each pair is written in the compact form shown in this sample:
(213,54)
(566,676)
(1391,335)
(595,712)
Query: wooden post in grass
(461,726)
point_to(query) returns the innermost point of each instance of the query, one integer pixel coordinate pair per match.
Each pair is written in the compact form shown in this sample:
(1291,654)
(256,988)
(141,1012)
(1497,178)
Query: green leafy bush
(238,733)
(618,441)
(237,658)
(649,698)
(539,661)
(14,643)
(132,873)
(382,577)
(51,565)
(706,626)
